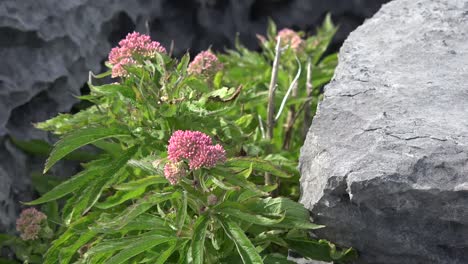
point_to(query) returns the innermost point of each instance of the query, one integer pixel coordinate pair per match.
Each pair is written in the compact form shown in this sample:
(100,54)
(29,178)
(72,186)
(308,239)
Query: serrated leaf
(79,139)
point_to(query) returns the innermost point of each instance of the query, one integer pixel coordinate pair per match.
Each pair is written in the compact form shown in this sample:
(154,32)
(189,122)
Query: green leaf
(144,165)
(44,183)
(78,139)
(174,246)
(198,240)
(271,29)
(184,61)
(244,246)
(140,207)
(251,217)
(120,197)
(73,183)
(41,148)
(142,222)
(91,194)
(114,88)
(276,258)
(317,250)
(66,253)
(137,184)
(258,165)
(182,212)
(81,225)
(144,243)
(7,261)
(296,216)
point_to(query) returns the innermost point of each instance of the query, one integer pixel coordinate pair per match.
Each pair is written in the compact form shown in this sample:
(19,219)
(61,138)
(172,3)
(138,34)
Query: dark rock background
(47,48)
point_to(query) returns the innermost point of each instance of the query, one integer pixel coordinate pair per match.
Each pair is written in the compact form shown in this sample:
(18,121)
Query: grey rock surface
(385,162)
(47,48)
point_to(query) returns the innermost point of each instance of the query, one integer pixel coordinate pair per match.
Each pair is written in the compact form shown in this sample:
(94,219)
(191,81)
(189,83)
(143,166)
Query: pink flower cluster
(205,63)
(291,38)
(134,44)
(29,224)
(195,147)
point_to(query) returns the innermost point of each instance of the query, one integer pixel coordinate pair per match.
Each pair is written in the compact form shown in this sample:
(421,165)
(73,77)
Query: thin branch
(291,87)
(271,102)
(307,104)
(171,49)
(262,129)
(271,91)
(147,27)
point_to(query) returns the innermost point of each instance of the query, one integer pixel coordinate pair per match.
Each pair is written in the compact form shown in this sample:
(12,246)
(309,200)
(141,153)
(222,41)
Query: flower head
(30,223)
(208,157)
(135,44)
(196,147)
(291,38)
(174,171)
(205,63)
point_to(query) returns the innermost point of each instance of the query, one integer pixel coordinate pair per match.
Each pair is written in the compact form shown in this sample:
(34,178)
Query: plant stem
(271,102)
(290,121)
(307,104)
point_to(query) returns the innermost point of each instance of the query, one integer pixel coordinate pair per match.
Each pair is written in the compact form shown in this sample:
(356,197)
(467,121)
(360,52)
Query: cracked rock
(385,162)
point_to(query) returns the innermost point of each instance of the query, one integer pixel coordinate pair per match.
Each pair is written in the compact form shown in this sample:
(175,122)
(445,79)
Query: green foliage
(121,208)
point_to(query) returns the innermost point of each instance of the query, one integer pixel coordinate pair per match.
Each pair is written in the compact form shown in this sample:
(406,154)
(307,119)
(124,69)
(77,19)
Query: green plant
(161,190)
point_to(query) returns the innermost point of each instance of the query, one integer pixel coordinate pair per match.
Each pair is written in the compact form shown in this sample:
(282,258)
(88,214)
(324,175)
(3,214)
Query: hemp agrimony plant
(192,167)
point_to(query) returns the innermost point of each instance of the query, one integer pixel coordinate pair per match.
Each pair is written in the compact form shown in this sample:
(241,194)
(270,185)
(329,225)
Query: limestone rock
(385,162)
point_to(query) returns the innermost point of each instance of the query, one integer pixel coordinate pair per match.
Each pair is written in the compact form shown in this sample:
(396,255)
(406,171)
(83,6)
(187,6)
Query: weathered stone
(385,163)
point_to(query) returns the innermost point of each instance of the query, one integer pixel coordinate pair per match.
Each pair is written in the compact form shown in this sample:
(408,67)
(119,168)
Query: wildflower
(208,157)
(196,147)
(174,171)
(205,63)
(291,38)
(186,144)
(30,223)
(135,44)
